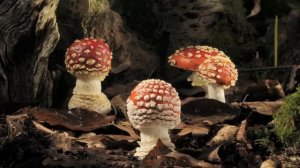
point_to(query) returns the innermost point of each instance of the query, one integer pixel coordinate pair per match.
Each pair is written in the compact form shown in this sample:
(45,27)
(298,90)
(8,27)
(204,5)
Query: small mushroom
(89,60)
(210,67)
(153,107)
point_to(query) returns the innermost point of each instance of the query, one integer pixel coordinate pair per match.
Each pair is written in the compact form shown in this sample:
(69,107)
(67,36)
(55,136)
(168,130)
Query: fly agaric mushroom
(210,67)
(153,108)
(89,60)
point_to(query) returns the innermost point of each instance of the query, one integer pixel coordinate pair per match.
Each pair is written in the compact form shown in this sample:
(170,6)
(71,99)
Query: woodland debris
(264,90)
(194,129)
(203,110)
(269,163)
(227,133)
(161,156)
(85,157)
(241,135)
(63,141)
(211,154)
(266,107)
(190,161)
(256,9)
(119,102)
(75,119)
(126,126)
(16,124)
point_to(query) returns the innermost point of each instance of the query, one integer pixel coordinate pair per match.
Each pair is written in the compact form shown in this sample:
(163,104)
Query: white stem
(87,86)
(196,81)
(215,92)
(87,95)
(149,137)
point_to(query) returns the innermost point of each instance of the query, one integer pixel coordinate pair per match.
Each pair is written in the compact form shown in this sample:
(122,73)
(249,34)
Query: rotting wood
(29,35)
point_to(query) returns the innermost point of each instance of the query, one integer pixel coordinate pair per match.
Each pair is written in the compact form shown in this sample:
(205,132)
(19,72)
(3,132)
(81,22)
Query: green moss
(232,33)
(287,120)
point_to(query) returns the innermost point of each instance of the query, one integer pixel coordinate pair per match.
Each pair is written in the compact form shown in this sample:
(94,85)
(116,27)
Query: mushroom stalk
(215,92)
(87,86)
(87,94)
(149,137)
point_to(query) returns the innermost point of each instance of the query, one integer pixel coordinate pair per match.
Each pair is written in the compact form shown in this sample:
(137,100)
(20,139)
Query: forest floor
(211,134)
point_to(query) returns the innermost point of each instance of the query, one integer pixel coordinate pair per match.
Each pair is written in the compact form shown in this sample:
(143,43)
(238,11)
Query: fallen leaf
(188,161)
(16,125)
(119,102)
(211,154)
(62,141)
(227,133)
(193,129)
(256,9)
(156,156)
(203,110)
(126,126)
(264,90)
(75,119)
(241,134)
(91,140)
(265,108)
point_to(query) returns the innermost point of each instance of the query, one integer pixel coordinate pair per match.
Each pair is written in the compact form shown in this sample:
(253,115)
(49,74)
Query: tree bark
(29,34)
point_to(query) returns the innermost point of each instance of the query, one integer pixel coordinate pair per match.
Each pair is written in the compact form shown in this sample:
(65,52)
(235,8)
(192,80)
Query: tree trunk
(29,34)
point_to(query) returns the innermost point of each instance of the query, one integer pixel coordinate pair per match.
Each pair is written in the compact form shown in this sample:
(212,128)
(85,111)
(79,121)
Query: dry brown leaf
(127,127)
(203,110)
(156,156)
(15,125)
(256,9)
(227,133)
(62,141)
(269,163)
(75,119)
(265,90)
(195,130)
(265,108)
(211,154)
(188,161)
(241,134)
(91,140)
(161,156)
(119,102)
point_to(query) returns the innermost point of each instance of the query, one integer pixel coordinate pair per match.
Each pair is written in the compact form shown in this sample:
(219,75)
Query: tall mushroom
(211,68)
(89,60)
(153,108)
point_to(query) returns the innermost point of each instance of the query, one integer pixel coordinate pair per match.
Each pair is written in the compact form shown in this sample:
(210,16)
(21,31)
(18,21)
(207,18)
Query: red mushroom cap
(88,57)
(218,70)
(154,102)
(191,57)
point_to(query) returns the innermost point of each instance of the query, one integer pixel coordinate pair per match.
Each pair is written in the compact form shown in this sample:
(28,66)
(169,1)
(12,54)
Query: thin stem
(276,41)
